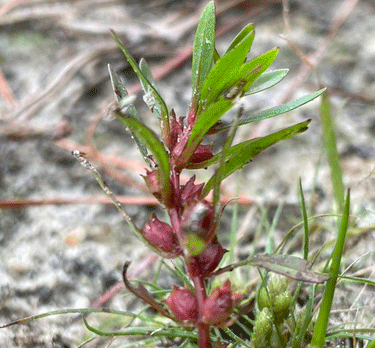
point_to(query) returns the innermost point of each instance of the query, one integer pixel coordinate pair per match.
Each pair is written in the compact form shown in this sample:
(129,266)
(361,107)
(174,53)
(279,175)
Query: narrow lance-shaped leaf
(246,31)
(267,80)
(201,126)
(290,266)
(240,154)
(275,111)
(163,108)
(220,76)
(121,95)
(255,145)
(148,97)
(157,149)
(203,51)
(264,61)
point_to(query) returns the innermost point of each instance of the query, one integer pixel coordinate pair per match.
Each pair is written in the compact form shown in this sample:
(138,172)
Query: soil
(55,86)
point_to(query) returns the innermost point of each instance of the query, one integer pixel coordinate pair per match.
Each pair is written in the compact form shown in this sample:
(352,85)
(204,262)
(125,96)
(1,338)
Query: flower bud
(161,236)
(183,303)
(202,153)
(197,218)
(176,129)
(219,305)
(208,260)
(152,181)
(191,192)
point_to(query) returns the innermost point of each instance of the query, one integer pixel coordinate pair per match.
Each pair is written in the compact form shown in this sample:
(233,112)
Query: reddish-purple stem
(204,340)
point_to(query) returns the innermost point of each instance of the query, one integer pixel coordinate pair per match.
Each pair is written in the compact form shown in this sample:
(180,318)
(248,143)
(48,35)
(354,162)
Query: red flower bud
(202,153)
(176,127)
(197,218)
(161,236)
(205,263)
(152,181)
(219,305)
(191,192)
(183,303)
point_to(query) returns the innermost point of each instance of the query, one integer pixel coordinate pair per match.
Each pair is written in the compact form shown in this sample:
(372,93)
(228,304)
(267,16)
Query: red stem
(204,339)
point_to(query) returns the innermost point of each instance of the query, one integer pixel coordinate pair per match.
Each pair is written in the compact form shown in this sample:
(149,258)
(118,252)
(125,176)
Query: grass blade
(319,334)
(331,150)
(305,223)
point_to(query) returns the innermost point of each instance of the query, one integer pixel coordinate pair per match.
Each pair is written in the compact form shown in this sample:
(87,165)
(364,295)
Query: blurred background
(61,245)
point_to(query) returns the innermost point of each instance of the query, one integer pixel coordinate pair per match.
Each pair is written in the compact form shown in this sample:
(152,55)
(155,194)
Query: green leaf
(205,121)
(319,334)
(330,144)
(248,30)
(263,61)
(203,50)
(117,85)
(290,266)
(148,137)
(122,95)
(240,154)
(145,82)
(156,331)
(277,110)
(267,80)
(221,75)
(149,98)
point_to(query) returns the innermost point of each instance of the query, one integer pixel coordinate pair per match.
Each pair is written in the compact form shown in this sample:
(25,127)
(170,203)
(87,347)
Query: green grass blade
(240,154)
(156,331)
(300,331)
(267,80)
(68,311)
(203,51)
(305,223)
(331,150)
(148,137)
(319,334)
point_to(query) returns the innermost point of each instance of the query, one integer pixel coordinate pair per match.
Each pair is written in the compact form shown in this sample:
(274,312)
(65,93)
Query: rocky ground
(55,91)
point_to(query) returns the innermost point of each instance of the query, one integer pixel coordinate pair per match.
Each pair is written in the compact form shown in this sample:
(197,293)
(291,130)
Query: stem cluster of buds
(191,234)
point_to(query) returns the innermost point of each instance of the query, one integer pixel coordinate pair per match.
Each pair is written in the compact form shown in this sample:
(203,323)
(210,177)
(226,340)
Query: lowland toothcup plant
(191,234)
